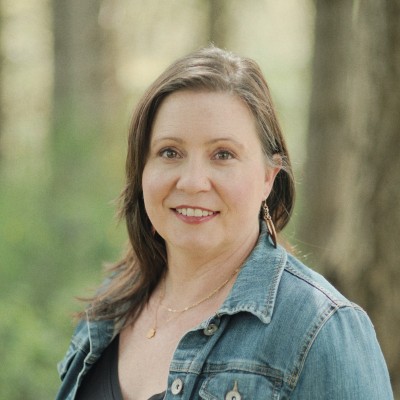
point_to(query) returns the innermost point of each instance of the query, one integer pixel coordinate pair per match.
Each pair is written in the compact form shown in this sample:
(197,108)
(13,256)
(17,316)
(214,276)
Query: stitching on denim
(310,281)
(274,284)
(276,385)
(240,366)
(263,312)
(310,338)
(193,366)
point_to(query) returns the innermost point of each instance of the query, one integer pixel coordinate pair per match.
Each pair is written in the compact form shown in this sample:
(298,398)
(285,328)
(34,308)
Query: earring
(269,222)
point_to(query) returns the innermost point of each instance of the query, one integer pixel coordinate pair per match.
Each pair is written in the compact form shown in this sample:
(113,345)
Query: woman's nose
(193,177)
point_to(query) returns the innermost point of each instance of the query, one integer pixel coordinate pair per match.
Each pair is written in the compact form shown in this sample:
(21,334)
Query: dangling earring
(268,221)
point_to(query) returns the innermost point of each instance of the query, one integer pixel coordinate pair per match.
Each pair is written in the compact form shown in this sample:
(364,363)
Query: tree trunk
(1,92)
(79,60)
(78,125)
(82,76)
(79,76)
(218,22)
(351,217)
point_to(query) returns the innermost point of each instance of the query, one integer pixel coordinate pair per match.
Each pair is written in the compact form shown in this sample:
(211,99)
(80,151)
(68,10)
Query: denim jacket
(283,332)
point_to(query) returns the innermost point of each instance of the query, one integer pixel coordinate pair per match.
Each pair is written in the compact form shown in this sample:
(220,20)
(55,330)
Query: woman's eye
(169,153)
(224,155)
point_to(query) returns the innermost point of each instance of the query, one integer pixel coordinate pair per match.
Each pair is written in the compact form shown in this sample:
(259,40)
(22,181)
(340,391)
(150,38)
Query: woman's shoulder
(313,284)
(307,296)
(89,339)
(336,337)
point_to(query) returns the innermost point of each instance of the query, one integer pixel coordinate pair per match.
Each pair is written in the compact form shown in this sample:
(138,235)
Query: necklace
(153,330)
(209,296)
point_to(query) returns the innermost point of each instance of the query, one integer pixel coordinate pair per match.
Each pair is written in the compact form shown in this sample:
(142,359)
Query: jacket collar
(254,291)
(257,284)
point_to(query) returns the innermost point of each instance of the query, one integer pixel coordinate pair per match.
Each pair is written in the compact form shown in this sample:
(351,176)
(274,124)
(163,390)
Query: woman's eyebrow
(225,139)
(169,138)
(212,141)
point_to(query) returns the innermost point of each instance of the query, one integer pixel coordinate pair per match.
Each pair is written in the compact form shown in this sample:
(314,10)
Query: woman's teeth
(194,212)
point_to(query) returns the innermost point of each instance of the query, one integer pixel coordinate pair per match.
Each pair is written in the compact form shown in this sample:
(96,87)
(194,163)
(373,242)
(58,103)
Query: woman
(206,304)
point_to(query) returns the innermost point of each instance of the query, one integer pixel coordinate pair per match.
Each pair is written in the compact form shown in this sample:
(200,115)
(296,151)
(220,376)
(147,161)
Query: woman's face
(206,175)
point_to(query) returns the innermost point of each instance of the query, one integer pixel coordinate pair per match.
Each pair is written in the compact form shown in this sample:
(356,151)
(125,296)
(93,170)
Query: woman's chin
(195,247)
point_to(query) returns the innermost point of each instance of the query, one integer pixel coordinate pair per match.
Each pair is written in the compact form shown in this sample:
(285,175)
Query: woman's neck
(192,276)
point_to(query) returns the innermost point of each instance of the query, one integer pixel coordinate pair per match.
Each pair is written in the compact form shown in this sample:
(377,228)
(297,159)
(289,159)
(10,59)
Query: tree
(351,215)
(218,22)
(79,71)
(1,90)
(79,112)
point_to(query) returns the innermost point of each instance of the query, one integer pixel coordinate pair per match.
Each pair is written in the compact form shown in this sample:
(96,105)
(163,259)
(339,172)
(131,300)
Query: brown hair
(137,274)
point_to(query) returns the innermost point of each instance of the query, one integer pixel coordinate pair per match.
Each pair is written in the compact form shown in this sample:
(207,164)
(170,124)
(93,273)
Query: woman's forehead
(213,112)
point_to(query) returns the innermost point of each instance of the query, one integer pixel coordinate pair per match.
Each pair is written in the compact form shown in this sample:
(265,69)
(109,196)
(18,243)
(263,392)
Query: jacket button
(233,394)
(177,386)
(210,330)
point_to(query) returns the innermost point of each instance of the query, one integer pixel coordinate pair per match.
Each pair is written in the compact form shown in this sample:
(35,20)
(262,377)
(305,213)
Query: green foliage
(54,240)
(28,349)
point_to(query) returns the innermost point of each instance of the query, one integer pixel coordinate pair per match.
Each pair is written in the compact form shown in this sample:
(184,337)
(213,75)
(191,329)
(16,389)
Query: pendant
(151,333)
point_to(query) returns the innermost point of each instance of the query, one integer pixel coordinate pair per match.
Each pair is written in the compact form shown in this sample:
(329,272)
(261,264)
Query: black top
(101,382)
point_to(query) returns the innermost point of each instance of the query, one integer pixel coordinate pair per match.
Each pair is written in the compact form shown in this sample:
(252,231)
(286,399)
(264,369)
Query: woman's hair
(209,69)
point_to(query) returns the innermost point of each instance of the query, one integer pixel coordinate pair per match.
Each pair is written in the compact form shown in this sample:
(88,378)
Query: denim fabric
(282,333)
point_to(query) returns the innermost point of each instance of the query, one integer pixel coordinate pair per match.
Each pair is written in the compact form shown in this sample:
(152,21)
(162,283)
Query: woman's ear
(271,171)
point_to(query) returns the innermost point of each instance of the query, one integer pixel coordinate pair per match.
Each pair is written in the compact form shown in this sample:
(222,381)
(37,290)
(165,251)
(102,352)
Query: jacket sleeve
(345,361)
(72,364)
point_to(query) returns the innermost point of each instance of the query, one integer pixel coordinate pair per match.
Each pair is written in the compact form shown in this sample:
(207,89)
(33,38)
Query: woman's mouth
(194,212)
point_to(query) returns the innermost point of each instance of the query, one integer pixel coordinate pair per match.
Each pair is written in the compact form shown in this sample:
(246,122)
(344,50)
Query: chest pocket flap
(240,386)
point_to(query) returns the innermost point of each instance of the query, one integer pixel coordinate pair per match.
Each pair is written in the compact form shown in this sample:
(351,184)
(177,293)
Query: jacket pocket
(237,385)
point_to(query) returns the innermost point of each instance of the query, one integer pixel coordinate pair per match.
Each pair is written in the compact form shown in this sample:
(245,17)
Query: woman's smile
(194,215)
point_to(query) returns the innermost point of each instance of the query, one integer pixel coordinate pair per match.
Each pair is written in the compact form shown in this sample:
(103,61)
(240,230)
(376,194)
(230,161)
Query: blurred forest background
(71,72)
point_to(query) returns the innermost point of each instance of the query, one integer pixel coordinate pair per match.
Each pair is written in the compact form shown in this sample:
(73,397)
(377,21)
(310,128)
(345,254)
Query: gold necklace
(153,330)
(209,296)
